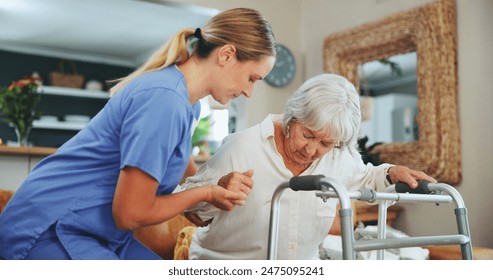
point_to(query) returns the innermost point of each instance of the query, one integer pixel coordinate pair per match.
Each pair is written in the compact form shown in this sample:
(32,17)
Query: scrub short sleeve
(155,122)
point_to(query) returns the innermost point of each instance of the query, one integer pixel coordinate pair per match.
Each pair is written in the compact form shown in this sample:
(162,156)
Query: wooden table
(367,213)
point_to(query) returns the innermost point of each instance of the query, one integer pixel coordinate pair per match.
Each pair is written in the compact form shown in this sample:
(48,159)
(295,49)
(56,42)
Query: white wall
(303,26)
(475,48)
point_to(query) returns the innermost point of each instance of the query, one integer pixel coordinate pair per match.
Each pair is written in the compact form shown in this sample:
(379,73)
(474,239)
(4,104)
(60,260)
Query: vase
(22,136)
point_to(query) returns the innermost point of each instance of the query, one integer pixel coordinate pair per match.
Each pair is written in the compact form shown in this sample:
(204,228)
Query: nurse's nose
(248,91)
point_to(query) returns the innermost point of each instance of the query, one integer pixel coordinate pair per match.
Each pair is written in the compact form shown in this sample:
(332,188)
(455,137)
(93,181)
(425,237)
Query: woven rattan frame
(430,30)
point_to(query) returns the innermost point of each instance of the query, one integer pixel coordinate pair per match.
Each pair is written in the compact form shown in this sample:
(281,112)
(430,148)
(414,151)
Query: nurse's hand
(236,181)
(221,198)
(231,191)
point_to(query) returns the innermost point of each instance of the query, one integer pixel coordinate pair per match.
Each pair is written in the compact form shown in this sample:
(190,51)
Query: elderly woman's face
(304,146)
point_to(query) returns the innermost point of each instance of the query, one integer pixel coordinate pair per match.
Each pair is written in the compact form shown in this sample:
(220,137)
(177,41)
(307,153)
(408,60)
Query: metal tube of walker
(274,221)
(346,217)
(318,182)
(461,217)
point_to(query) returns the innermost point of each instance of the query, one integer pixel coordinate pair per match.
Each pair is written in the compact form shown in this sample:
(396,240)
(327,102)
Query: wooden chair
(5,196)
(162,238)
(453,252)
(183,243)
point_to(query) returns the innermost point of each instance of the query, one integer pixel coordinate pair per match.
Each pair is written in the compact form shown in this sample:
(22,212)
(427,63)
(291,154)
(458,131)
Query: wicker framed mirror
(430,30)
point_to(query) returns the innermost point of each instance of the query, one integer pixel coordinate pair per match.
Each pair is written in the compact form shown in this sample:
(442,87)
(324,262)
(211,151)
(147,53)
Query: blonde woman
(118,173)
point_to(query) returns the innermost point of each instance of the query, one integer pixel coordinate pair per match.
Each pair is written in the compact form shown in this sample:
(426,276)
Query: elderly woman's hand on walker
(409,176)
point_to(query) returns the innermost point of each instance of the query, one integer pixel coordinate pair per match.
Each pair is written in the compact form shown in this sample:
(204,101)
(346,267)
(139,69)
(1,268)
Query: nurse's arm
(135,203)
(190,170)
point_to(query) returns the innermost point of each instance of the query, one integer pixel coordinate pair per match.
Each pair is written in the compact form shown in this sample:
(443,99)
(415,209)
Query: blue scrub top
(147,125)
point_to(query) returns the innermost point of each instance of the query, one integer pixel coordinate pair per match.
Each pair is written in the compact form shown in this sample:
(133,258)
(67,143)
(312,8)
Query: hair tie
(198,33)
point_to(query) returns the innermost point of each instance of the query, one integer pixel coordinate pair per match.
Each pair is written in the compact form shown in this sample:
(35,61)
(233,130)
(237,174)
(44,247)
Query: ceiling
(119,32)
(123,32)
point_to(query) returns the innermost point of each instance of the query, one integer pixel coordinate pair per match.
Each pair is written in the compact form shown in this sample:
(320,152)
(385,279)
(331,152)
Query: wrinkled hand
(408,176)
(236,181)
(225,199)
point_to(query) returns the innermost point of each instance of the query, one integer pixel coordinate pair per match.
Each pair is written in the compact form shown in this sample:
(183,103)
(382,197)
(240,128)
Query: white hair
(327,102)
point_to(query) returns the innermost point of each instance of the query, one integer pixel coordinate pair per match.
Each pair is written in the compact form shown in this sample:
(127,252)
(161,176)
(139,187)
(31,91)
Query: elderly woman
(316,135)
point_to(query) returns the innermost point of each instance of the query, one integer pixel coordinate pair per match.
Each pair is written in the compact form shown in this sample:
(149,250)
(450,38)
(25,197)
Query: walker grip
(422,187)
(306,183)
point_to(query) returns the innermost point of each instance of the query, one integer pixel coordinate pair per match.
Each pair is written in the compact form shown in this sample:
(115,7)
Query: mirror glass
(389,100)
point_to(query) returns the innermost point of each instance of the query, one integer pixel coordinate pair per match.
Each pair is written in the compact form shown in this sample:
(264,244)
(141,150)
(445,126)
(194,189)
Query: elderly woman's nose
(311,148)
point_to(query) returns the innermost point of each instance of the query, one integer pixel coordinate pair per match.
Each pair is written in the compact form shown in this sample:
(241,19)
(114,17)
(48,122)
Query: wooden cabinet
(17,162)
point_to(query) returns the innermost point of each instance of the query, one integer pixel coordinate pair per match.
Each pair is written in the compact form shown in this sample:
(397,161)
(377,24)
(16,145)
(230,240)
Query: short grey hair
(327,102)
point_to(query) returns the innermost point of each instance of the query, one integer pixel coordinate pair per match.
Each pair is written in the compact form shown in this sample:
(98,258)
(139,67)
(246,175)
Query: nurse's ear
(226,54)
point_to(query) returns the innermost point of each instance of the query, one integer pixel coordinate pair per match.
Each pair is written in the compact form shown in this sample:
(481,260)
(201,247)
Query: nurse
(118,173)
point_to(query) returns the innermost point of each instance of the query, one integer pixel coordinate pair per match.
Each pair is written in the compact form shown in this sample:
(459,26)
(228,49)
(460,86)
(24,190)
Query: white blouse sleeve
(204,210)
(220,164)
(366,175)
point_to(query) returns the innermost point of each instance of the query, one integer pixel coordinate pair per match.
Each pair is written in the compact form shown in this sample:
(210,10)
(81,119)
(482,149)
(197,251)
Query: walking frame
(425,192)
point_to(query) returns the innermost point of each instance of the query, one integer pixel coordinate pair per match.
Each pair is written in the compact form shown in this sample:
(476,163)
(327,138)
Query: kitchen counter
(26,151)
(46,151)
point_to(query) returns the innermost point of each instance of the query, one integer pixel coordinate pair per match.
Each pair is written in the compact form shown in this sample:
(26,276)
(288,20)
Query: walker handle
(422,187)
(306,183)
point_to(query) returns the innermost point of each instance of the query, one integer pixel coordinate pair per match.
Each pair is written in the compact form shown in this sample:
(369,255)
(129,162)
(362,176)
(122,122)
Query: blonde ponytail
(245,28)
(172,52)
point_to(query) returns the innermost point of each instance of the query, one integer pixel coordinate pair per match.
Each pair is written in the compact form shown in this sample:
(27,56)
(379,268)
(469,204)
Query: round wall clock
(284,69)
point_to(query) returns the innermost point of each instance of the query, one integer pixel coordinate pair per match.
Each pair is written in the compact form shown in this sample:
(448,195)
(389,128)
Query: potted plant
(199,137)
(18,104)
